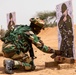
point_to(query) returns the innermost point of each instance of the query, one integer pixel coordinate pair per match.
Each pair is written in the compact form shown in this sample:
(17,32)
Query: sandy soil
(44,64)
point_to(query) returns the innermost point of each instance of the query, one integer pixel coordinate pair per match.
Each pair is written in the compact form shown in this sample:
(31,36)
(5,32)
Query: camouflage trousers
(67,47)
(21,60)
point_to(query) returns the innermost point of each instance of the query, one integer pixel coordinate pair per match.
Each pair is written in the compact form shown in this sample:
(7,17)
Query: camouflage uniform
(17,44)
(66,32)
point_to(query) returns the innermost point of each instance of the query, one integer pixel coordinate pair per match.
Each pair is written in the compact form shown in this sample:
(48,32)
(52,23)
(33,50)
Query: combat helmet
(63,7)
(10,15)
(37,21)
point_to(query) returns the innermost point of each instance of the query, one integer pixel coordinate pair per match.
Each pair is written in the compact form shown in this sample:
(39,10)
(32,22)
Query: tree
(48,17)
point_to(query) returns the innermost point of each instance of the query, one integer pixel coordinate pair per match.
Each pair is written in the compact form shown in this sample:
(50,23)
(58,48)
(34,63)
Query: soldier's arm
(61,27)
(70,29)
(38,43)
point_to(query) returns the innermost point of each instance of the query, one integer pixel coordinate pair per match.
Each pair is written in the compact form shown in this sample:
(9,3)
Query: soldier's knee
(8,50)
(29,68)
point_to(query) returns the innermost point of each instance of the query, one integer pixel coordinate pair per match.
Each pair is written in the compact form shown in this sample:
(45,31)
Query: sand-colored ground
(44,64)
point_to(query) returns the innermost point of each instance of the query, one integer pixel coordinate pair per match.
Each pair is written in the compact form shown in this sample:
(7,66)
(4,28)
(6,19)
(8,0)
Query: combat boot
(8,65)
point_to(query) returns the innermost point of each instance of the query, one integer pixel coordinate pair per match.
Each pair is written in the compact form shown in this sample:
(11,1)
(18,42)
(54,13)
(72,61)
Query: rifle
(31,52)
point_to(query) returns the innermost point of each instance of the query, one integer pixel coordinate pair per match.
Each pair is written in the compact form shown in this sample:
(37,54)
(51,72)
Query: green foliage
(44,15)
(48,17)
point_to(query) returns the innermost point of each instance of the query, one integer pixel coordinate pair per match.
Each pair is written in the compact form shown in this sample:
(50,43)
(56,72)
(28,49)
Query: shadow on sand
(52,65)
(2,70)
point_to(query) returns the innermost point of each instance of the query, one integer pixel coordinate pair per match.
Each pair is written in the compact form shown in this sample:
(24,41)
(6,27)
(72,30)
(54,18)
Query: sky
(25,9)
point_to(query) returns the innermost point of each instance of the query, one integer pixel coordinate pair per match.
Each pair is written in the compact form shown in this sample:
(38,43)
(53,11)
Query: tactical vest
(18,39)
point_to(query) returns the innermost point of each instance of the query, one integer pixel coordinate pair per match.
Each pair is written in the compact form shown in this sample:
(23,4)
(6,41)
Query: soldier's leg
(70,52)
(10,64)
(24,58)
(62,47)
(70,47)
(8,50)
(26,62)
(25,65)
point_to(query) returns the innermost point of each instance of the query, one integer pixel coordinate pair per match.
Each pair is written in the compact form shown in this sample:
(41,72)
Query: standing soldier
(66,31)
(11,22)
(18,42)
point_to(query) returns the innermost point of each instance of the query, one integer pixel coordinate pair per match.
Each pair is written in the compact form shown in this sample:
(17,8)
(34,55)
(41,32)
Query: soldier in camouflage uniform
(65,27)
(11,22)
(18,41)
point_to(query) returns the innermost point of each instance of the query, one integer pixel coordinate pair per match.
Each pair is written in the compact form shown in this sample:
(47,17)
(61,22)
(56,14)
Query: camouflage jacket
(65,27)
(21,36)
